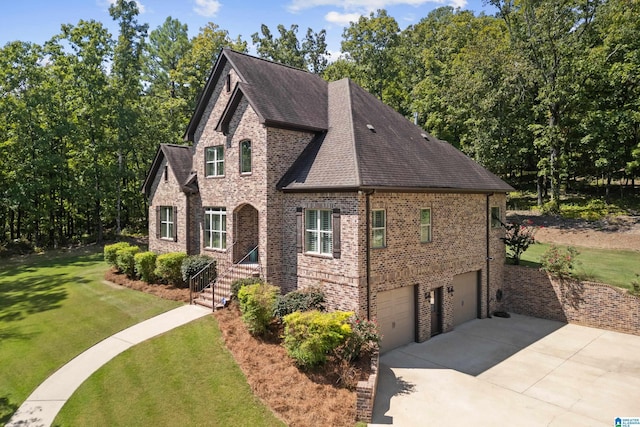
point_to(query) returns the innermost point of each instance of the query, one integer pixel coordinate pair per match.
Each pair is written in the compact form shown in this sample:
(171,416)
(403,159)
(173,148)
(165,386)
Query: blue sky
(39,20)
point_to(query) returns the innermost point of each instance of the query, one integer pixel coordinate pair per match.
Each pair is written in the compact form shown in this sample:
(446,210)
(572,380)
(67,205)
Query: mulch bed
(169,292)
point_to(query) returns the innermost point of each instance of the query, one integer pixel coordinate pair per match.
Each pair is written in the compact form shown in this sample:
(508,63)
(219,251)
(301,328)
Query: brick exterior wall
(458,246)
(366,392)
(533,292)
(167,193)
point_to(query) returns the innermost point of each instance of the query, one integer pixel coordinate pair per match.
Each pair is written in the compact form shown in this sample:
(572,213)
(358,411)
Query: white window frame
(242,164)
(216,164)
(317,235)
(378,230)
(425,229)
(210,232)
(167,223)
(495,219)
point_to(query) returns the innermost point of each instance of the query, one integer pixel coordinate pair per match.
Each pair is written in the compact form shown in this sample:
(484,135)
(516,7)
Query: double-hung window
(318,231)
(215,228)
(495,217)
(378,228)
(245,157)
(167,222)
(214,161)
(425,225)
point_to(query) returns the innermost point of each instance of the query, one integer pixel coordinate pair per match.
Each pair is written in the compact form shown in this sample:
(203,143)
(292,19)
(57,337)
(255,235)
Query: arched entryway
(246,234)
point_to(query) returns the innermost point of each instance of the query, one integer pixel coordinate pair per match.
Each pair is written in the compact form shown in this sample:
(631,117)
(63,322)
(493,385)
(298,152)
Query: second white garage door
(396,317)
(465,297)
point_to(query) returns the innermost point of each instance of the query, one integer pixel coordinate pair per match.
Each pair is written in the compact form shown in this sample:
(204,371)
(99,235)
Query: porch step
(208,298)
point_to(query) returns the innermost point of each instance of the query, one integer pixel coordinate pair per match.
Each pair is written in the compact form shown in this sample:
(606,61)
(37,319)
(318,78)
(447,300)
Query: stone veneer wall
(533,292)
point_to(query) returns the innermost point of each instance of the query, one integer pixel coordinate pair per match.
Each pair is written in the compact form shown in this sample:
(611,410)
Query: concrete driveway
(519,371)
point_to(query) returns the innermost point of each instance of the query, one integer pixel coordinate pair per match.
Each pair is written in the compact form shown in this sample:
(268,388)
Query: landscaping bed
(169,292)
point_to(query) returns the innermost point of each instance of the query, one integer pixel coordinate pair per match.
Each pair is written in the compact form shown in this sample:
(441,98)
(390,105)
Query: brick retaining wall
(366,392)
(532,292)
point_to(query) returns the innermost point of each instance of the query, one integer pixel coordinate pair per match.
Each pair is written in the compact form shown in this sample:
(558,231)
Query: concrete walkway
(520,371)
(42,406)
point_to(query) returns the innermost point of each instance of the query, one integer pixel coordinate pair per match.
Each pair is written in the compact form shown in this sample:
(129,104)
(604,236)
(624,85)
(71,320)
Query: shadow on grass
(7,409)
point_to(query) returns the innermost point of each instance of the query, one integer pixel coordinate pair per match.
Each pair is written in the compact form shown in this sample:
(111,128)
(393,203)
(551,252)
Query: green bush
(365,337)
(191,265)
(238,284)
(168,268)
(145,265)
(110,253)
(256,304)
(309,336)
(559,262)
(300,300)
(126,261)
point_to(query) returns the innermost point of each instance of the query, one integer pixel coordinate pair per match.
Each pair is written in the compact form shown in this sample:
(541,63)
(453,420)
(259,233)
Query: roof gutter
(390,190)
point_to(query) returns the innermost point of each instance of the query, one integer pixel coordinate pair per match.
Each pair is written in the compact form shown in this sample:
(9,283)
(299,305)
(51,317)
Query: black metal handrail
(202,279)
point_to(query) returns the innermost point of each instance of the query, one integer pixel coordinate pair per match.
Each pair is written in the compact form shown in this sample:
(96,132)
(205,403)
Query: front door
(436,311)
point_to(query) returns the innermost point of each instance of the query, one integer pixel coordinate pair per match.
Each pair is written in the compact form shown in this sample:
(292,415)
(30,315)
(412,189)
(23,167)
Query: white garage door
(465,297)
(396,317)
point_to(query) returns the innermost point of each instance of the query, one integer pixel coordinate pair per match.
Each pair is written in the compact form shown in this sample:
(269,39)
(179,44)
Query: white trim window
(425,225)
(378,228)
(318,231)
(214,161)
(215,228)
(167,222)
(245,157)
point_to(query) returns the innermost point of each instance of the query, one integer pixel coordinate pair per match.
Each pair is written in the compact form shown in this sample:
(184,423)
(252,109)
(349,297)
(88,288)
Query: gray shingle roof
(345,154)
(179,158)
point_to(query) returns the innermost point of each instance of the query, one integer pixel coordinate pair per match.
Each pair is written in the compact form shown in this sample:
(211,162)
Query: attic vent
(371,128)
(425,136)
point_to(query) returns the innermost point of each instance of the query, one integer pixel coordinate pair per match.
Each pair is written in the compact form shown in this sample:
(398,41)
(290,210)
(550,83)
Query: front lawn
(52,308)
(614,267)
(183,377)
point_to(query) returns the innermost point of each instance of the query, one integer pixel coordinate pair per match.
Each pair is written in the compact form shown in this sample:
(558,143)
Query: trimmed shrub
(238,284)
(126,261)
(300,300)
(365,337)
(309,336)
(110,253)
(193,264)
(256,304)
(168,268)
(145,265)
(558,261)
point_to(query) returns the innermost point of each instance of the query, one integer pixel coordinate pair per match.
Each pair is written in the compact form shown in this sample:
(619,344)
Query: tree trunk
(539,185)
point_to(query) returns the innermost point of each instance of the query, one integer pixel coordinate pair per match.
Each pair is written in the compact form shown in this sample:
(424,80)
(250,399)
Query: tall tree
(288,50)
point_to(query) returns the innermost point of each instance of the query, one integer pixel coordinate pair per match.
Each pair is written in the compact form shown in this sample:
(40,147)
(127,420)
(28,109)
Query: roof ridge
(269,61)
(353,134)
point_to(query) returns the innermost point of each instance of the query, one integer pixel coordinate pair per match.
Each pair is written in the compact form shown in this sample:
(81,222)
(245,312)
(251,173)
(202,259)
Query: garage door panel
(396,317)
(465,297)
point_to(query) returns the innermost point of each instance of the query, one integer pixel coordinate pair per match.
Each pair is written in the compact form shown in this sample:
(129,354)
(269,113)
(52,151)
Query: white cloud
(365,6)
(207,7)
(342,18)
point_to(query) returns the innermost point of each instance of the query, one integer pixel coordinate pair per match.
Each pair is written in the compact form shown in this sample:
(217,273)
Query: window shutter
(336,233)
(175,223)
(299,230)
(157,222)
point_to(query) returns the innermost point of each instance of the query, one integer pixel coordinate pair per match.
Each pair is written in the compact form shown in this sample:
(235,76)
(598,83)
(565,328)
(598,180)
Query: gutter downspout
(488,255)
(368,249)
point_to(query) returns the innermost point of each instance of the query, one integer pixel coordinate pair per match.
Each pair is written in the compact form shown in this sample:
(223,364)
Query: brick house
(321,184)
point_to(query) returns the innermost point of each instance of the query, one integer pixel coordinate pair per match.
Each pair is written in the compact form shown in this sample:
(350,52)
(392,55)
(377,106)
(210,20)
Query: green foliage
(145,263)
(168,267)
(16,247)
(518,238)
(635,286)
(256,304)
(558,261)
(300,300)
(193,264)
(125,259)
(594,209)
(110,253)
(365,337)
(236,285)
(311,335)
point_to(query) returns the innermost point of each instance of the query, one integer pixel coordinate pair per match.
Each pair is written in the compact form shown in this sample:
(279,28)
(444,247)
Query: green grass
(614,267)
(184,377)
(53,307)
